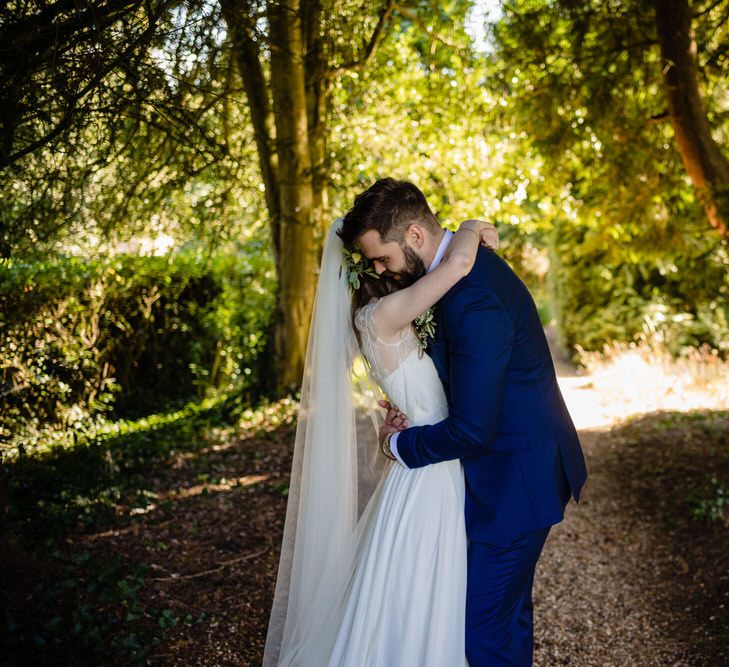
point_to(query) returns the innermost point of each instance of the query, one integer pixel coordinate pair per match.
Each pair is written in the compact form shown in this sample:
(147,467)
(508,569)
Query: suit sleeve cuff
(393,448)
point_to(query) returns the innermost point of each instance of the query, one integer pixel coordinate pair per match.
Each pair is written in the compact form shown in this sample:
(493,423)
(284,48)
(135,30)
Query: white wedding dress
(403,602)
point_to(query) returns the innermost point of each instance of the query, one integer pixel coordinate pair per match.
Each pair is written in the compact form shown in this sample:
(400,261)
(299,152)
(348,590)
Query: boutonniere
(357,265)
(425,326)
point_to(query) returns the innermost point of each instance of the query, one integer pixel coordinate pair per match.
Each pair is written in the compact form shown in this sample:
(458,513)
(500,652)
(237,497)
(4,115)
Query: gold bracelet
(386,447)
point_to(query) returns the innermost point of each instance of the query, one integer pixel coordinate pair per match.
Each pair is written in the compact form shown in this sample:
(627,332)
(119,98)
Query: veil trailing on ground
(336,466)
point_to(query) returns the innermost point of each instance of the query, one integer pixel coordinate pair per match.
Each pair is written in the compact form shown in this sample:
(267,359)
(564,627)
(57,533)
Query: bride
(352,513)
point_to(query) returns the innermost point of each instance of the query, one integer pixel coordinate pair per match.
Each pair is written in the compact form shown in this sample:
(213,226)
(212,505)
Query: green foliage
(128,335)
(713,504)
(89,610)
(599,295)
(80,613)
(155,142)
(629,246)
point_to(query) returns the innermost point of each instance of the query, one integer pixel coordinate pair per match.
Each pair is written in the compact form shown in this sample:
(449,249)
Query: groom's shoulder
(490,274)
(490,271)
(488,259)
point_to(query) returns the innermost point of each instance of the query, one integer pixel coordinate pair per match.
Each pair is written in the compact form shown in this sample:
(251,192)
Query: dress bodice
(406,374)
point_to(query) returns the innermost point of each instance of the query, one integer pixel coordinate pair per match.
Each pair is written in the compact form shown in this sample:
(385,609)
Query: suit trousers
(499,626)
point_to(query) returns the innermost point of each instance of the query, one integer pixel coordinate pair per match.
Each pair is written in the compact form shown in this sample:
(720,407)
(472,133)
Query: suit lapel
(437,349)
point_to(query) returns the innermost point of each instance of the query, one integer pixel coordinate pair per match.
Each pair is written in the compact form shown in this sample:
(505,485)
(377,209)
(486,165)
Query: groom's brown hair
(389,206)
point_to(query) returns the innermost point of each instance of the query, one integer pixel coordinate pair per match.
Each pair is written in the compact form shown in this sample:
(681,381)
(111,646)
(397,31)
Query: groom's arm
(480,335)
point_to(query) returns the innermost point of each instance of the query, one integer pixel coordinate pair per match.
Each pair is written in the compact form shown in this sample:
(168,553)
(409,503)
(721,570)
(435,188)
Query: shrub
(601,292)
(127,335)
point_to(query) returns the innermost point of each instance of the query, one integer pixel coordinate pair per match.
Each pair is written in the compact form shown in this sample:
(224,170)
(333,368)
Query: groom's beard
(414,266)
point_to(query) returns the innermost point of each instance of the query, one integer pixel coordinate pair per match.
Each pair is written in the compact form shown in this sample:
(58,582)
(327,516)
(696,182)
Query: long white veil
(335,469)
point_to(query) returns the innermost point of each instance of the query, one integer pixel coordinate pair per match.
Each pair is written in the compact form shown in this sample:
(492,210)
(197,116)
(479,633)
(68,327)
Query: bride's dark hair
(370,288)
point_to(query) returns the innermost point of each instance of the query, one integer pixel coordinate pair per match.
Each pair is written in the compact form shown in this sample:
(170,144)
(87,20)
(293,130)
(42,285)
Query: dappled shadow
(671,470)
(151,533)
(637,573)
(92,482)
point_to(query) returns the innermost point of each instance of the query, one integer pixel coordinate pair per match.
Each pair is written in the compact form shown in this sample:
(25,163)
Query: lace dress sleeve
(383,357)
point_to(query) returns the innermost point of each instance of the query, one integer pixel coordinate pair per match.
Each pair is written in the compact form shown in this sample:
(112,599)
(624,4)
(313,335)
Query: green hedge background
(86,341)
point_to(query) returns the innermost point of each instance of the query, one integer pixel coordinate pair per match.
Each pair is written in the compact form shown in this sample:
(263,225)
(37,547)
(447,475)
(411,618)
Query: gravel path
(601,592)
(595,580)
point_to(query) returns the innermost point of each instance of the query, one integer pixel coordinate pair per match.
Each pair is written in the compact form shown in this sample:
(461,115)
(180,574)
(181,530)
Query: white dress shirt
(436,260)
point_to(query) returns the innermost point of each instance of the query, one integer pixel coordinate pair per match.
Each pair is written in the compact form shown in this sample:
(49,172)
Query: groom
(507,421)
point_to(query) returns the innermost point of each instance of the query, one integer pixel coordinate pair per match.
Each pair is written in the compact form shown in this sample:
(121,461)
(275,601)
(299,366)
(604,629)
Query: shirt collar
(441,250)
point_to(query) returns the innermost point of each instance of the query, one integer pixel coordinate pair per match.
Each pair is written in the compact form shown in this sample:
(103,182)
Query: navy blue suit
(519,448)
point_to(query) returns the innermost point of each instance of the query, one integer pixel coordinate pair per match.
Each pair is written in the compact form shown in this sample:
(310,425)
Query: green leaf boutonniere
(425,326)
(357,265)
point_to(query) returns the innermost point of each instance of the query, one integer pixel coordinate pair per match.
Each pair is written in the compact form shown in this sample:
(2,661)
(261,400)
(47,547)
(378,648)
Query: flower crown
(357,265)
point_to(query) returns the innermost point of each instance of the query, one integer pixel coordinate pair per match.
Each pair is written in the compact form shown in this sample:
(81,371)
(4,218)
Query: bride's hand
(395,420)
(486,231)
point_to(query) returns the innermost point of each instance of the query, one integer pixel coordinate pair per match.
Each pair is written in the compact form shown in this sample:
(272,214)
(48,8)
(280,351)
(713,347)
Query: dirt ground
(628,578)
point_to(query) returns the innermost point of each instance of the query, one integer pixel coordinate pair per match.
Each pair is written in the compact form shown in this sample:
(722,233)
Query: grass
(80,481)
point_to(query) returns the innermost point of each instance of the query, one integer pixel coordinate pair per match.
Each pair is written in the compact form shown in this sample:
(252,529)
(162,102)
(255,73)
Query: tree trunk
(279,116)
(317,107)
(246,54)
(299,258)
(707,167)
(290,122)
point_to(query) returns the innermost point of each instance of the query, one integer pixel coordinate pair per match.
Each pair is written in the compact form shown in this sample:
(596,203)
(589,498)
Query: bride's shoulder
(363,316)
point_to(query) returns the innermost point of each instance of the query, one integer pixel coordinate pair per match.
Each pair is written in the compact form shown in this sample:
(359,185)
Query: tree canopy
(185,119)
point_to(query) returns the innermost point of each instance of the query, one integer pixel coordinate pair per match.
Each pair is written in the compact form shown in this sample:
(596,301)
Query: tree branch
(434,37)
(708,9)
(204,573)
(370,49)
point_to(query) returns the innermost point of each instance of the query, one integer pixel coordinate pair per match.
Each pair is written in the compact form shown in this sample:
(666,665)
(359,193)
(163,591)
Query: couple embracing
(414,542)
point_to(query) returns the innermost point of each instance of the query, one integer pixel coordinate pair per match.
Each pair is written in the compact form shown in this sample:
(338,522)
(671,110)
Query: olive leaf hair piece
(357,265)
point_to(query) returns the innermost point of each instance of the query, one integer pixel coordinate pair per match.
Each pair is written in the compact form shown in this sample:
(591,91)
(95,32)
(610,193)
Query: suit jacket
(507,421)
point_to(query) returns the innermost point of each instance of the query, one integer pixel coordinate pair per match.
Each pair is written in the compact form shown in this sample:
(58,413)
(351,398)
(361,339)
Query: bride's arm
(396,311)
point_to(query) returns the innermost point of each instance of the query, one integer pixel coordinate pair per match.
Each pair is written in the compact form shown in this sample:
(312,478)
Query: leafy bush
(712,505)
(602,290)
(128,335)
